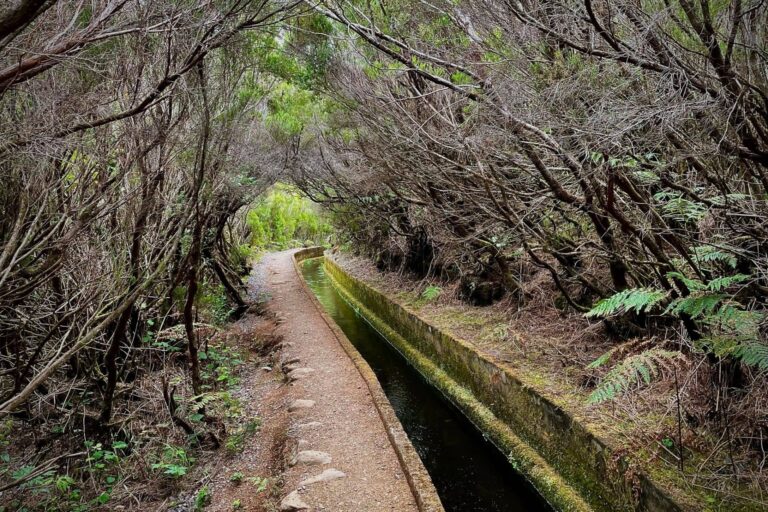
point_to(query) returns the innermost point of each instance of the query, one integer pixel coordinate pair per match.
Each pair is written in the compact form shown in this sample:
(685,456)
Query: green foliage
(602,360)
(722,283)
(752,353)
(431,293)
(174,463)
(218,403)
(236,440)
(278,57)
(460,78)
(705,255)
(634,299)
(51,490)
(213,300)
(730,330)
(284,218)
(99,457)
(680,209)
(695,305)
(292,109)
(735,332)
(202,498)
(258,482)
(632,371)
(702,299)
(220,365)
(236,477)
(708,300)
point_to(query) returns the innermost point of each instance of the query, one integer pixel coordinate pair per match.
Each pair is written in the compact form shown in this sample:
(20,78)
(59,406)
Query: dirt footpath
(340,456)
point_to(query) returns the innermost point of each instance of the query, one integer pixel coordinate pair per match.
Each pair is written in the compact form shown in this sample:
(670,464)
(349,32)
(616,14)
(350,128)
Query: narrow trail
(343,460)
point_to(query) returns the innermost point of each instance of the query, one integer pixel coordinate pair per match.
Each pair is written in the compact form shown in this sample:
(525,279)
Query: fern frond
(750,351)
(729,198)
(753,353)
(637,299)
(708,254)
(695,305)
(731,318)
(431,293)
(689,283)
(646,177)
(600,361)
(679,208)
(633,371)
(715,285)
(202,400)
(721,283)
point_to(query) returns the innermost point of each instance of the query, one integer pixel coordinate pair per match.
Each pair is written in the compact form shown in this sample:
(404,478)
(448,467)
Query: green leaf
(637,299)
(696,305)
(600,361)
(431,293)
(64,483)
(707,254)
(22,472)
(689,283)
(632,371)
(722,283)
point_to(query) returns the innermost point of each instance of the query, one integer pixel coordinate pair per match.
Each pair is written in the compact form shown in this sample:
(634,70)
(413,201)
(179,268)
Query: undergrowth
(99,473)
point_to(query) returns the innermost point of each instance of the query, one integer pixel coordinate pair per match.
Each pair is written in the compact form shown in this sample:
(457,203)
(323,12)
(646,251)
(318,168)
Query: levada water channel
(469,473)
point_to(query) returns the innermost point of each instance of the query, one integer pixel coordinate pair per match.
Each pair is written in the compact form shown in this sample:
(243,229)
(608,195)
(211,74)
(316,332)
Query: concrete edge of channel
(549,483)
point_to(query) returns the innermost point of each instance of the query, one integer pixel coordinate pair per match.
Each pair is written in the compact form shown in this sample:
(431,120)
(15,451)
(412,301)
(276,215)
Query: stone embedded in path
(311,457)
(311,424)
(291,361)
(299,373)
(293,503)
(301,404)
(296,429)
(328,474)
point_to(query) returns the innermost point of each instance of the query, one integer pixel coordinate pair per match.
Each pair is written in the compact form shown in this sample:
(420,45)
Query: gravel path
(342,459)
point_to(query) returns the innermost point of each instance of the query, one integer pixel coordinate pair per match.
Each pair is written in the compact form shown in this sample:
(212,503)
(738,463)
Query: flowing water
(469,473)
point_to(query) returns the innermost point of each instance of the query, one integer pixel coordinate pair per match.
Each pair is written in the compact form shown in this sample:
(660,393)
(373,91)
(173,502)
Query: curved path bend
(334,423)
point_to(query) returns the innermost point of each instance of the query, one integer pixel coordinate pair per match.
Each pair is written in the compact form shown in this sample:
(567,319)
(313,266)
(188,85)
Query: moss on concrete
(520,455)
(570,465)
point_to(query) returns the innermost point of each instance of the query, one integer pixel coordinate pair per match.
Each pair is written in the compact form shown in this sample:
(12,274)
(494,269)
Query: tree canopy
(620,148)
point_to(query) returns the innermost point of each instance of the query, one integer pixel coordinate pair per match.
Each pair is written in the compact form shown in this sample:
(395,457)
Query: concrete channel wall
(570,465)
